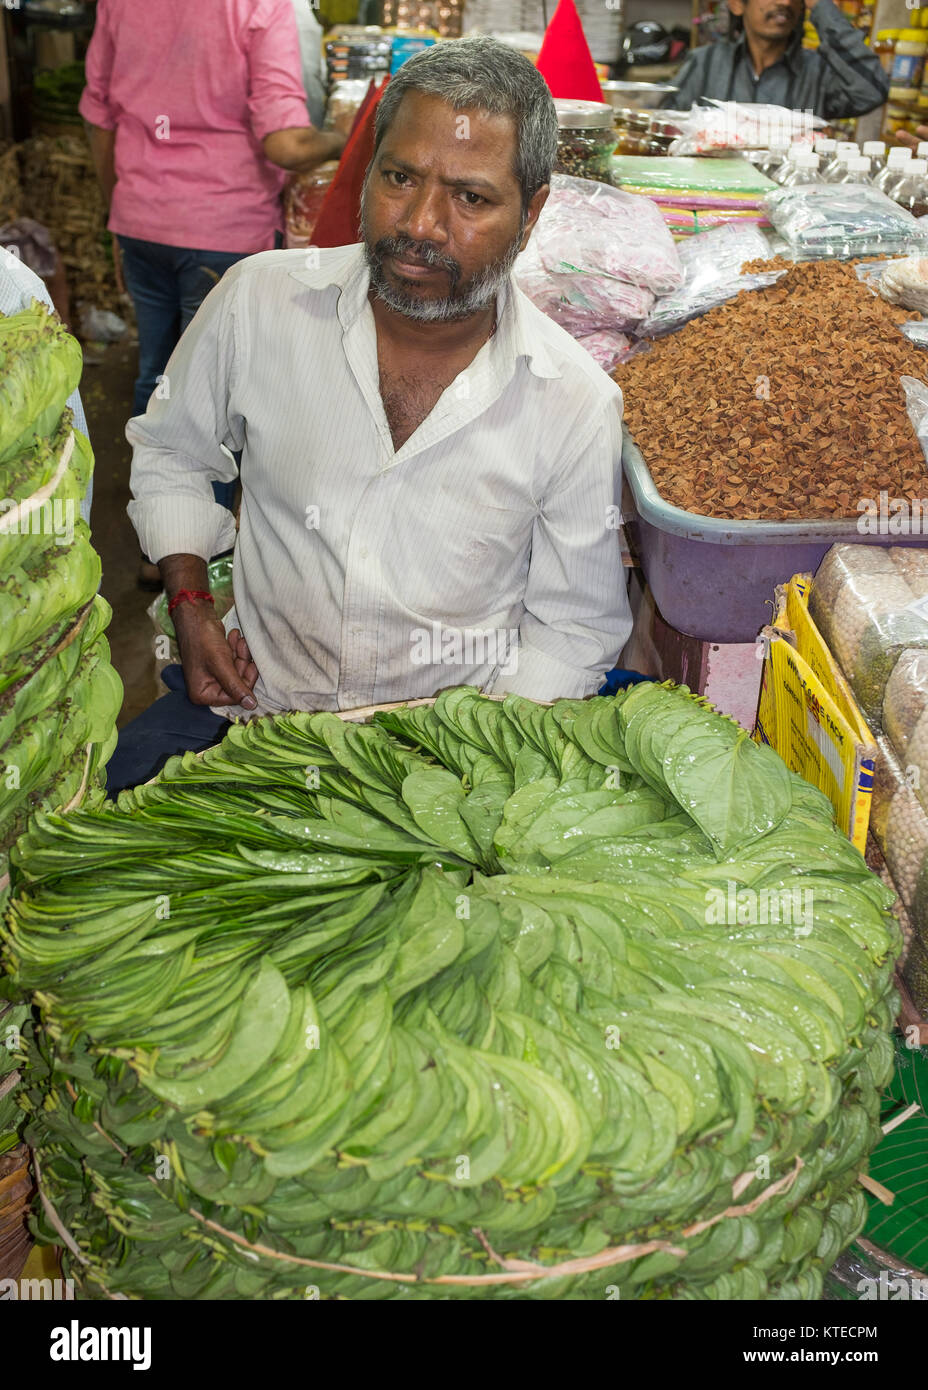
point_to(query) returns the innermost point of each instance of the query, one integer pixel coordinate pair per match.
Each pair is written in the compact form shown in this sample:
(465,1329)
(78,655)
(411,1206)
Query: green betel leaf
(734,789)
(435,798)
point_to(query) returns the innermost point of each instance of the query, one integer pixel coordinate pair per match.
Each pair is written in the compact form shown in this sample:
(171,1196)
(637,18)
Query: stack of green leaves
(478,1000)
(59,696)
(12,1018)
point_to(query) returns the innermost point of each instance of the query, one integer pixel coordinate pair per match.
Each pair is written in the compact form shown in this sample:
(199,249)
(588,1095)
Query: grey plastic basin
(714,578)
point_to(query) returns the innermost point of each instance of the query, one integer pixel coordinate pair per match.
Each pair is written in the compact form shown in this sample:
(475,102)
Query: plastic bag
(579,302)
(869,603)
(843,220)
(711,265)
(916,331)
(303,199)
(863,1264)
(599,230)
(739,125)
(869,272)
(344,102)
(905,718)
(606,347)
(915,973)
(905,282)
(916,404)
(900,827)
(101,326)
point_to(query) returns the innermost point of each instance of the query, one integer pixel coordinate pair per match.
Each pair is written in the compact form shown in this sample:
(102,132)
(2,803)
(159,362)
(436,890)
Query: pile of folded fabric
(694,194)
(597,262)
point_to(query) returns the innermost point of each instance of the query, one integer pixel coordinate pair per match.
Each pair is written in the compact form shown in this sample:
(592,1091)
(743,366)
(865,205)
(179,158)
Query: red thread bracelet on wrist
(189,596)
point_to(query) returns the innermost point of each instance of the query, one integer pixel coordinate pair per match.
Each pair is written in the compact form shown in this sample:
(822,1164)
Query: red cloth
(565,60)
(339,218)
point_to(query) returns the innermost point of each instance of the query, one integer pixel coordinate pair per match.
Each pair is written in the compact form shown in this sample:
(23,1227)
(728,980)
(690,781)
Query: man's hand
(218,670)
(905,137)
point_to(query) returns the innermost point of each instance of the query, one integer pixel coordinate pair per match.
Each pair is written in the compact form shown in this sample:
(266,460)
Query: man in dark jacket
(765,62)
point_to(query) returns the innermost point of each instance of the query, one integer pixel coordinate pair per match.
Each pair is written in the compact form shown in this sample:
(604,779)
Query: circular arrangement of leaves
(477,1000)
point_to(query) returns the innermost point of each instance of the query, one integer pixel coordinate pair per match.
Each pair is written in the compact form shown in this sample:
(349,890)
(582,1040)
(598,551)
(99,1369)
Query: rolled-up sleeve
(577,615)
(95,105)
(276,98)
(178,443)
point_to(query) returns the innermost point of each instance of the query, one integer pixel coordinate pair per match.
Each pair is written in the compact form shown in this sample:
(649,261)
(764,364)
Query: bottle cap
(806,160)
(573,115)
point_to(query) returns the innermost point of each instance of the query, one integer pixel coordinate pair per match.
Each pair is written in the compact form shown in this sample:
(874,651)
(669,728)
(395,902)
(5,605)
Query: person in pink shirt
(196,112)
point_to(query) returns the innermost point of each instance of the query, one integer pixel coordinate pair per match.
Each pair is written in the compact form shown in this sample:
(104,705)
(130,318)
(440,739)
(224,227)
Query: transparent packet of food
(905,718)
(870,603)
(900,827)
(712,273)
(824,221)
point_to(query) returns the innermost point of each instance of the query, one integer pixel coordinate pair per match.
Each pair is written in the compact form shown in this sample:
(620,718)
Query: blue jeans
(171,725)
(168,284)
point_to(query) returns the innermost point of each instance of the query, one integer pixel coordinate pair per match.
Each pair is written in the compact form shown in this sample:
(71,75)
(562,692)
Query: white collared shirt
(355,563)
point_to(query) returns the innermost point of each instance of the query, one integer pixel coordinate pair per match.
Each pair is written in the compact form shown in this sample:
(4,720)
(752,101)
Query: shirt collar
(345,268)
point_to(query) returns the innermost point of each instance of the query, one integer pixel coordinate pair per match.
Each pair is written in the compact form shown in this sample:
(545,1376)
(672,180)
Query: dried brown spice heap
(783,404)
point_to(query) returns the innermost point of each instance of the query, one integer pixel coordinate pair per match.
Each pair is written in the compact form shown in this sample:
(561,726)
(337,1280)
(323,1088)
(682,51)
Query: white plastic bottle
(911,191)
(775,157)
(898,156)
(846,149)
(856,171)
(789,162)
(835,171)
(875,150)
(805,170)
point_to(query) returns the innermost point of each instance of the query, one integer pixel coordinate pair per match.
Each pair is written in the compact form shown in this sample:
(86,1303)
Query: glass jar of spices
(586,139)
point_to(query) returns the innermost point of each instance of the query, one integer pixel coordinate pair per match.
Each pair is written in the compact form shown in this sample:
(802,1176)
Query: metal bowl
(641,96)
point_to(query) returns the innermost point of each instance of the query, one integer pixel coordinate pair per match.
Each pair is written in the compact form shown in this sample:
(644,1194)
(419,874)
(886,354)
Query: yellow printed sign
(808,713)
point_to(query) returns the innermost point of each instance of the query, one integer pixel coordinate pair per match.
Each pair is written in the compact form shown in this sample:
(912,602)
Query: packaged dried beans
(867,603)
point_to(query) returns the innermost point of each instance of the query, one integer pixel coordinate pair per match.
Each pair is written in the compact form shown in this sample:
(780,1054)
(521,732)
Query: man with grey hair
(425,456)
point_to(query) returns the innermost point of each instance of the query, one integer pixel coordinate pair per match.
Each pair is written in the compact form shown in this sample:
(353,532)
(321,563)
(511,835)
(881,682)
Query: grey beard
(480,294)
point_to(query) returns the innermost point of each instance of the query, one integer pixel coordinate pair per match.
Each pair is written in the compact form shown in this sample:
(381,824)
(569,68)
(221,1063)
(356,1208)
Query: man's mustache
(404,248)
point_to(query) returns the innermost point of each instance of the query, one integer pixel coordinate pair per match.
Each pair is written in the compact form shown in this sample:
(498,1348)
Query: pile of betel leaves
(59,695)
(446,1006)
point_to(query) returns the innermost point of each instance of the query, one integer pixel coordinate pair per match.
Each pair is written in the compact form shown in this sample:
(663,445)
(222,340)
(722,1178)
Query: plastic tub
(713,578)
